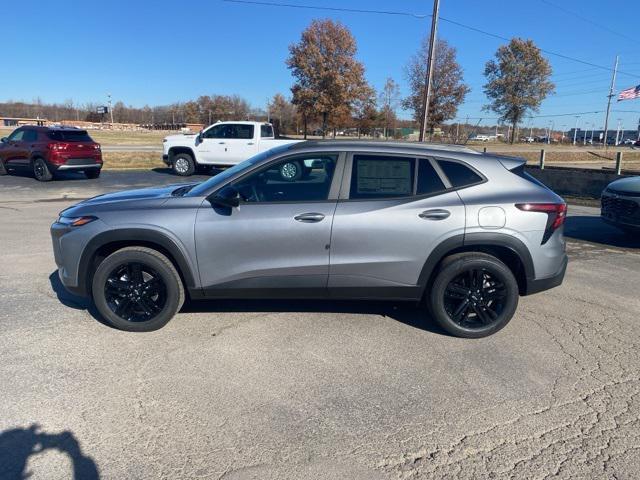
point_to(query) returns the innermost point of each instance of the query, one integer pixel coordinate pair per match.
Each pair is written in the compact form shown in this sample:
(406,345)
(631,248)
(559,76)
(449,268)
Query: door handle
(435,214)
(220,143)
(250,143)
(309,217)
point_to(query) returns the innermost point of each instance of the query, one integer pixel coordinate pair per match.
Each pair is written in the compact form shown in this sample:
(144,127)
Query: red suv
(46,150)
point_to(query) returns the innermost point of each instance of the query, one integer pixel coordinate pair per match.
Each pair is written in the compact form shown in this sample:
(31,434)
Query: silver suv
(466,233)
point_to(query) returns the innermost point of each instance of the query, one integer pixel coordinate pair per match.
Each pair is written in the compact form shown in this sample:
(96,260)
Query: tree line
(330,91)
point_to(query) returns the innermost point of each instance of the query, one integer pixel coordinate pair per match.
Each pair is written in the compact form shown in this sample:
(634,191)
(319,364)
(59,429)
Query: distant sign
(102,110)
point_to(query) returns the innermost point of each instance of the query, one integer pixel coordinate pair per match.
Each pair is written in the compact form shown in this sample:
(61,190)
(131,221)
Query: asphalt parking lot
(283,389)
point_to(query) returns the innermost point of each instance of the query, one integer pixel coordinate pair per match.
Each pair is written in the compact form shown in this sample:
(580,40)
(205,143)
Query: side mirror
(226,197)
(4,139)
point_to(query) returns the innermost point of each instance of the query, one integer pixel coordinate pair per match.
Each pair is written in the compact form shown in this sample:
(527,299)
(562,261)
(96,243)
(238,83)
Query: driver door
(277,240)
(211,145)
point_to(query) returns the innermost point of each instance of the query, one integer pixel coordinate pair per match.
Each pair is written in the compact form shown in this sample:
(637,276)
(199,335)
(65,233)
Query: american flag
(629,93)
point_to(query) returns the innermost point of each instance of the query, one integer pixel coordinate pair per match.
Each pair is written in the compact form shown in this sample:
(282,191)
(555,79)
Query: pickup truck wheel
(473,295)
(183,165)
(137,289)
(291,171)
(41,170)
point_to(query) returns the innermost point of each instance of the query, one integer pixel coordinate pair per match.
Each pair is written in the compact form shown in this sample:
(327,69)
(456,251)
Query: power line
(420,16)
(334,9)
(588,20)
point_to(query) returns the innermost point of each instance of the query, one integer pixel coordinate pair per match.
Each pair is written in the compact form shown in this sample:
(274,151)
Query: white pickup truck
(220,144)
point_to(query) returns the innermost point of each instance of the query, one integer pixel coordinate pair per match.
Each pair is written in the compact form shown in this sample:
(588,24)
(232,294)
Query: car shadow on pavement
(73,301)
(18,444)
(59,176)
(409,313)
(590,228)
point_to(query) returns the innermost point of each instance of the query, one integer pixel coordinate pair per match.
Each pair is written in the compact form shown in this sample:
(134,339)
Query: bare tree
(282,113)
(517,81)
(448,87)
(389,102)
(329,79)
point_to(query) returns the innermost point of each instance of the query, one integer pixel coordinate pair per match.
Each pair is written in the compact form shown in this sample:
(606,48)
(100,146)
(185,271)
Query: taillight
(57,146)
(556,215)
(96,146)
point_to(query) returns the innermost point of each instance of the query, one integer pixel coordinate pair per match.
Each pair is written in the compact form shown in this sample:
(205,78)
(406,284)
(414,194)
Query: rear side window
(30,136)
(266,131)
(458,174)
(70,136)
(378,176)
(240,131)
(429,181)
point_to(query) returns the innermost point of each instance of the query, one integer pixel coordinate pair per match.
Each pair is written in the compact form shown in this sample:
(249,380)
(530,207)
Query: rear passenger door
(392,212)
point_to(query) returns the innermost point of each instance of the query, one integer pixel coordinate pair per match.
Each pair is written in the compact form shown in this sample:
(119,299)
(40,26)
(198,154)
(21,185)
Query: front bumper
(542,284)
(165,159)
(620,210)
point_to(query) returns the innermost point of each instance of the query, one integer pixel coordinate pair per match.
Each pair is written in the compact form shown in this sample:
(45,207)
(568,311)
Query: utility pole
(110,109)
(610,96)
(430,63)
(575,130)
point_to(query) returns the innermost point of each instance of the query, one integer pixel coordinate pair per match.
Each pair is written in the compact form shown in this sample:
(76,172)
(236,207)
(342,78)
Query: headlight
(76,221)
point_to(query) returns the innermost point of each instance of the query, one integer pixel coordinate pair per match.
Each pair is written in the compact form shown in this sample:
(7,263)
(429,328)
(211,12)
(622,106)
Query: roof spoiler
(510,163)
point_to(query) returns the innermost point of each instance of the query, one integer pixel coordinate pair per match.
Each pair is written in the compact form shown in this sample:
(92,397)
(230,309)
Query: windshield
(205,187)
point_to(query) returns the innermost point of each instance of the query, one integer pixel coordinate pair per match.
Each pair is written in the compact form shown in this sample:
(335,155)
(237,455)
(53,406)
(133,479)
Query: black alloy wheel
(135,292)
(137,289)
(473,295)
(475,298)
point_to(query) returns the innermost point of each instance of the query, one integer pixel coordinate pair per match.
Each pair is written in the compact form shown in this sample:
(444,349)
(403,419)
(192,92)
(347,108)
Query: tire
(41,170)
(93,173)
(473,295)
(291,171)
(137,305)
(3,169)
(183,165)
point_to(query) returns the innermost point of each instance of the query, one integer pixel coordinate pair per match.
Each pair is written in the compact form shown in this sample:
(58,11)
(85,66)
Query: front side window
(217,131)
(30,136)
(379,176)
(16,136)
(266,131)
(298,179)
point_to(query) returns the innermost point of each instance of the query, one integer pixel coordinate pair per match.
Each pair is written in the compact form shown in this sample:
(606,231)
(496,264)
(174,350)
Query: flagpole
(610,96)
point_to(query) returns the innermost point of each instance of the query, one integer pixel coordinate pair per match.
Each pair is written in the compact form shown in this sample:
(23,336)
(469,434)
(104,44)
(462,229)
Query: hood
(629,184)
(143,197)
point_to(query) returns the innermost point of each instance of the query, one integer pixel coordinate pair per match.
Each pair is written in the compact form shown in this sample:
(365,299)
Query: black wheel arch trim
(171,153)
(479,239)
(133,236)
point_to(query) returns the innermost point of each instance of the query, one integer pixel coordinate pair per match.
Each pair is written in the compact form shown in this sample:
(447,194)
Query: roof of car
(55,128)
(382,145)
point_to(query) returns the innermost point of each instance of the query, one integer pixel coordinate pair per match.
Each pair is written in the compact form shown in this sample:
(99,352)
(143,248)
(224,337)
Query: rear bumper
(87,166)
(542,284)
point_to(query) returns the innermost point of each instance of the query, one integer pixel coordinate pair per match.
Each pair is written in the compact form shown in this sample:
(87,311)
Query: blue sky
(158,52)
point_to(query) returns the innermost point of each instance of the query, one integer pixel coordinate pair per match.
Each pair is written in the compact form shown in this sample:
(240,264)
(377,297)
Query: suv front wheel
(137,289)
(473,295)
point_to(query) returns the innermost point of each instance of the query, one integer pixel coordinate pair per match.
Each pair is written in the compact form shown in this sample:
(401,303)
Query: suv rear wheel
(137,289)
(473,295)
(183,165)
(41,170)
(3,169)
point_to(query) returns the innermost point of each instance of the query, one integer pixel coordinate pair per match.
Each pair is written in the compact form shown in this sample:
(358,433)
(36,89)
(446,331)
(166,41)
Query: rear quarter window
(459,174)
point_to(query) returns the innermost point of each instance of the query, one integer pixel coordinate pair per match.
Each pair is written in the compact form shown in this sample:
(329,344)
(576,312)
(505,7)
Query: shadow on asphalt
(18,444)
(409,313)
(27,173)
(201,171)
(592,229)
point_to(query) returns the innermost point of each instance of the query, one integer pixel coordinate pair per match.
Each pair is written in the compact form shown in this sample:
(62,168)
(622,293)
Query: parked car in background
(467,233)
(47,150)
(220,145)
(480,138)
(620,203)
(527,139)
